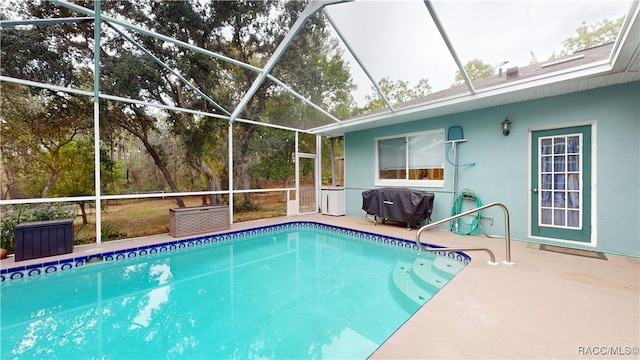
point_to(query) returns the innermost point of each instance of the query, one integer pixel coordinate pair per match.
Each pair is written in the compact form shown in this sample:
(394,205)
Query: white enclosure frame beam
(297,170)
(305,100)
(142,30)
(452,51)
(360,63)
(311,8)
(96,119)
(230,155)
(165,66)
(38,22)
(46,86)
(318,178)
(143,103)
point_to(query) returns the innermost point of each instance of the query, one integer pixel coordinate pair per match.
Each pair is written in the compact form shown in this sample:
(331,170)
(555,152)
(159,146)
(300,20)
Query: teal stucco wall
(501,169)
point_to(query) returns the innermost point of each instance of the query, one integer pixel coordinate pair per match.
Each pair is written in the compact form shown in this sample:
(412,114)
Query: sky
(397,38)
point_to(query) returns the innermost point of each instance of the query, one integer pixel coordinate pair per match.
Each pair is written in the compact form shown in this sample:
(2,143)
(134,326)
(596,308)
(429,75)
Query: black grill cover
(398,204)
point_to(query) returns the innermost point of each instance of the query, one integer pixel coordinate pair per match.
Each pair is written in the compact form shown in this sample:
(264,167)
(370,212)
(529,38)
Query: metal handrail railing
(507,234)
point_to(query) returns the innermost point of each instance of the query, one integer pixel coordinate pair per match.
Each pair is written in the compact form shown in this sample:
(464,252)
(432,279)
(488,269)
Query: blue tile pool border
(48,267)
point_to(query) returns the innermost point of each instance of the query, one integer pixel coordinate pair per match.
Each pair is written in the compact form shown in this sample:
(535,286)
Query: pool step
(420,280)
(403,280)
(447,265)
(424,272)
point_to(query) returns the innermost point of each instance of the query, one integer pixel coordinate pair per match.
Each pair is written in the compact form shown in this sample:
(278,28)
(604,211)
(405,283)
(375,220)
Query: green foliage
(475,69)
(243,206)
(149,150)
(76,170)
(39,137)
(27,213)
(338,148)
(28,52)
(276,156)
(396,92)
(111,232)
(128,66)
(588,36)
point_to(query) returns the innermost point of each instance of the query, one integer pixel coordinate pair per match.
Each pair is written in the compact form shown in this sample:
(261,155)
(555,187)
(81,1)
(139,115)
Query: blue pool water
(297,291)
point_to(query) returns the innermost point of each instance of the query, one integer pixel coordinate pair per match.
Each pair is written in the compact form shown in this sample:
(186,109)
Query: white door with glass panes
(561,183)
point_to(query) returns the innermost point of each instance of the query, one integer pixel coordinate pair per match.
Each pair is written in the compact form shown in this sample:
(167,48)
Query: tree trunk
(53,177)
(244,165)
(9,175)
(214,184)
(142,135)
(83,212)
(215,199)
(165,172)
(246,181)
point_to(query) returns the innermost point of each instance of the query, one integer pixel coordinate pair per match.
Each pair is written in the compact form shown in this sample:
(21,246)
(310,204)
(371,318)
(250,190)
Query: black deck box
(39,239)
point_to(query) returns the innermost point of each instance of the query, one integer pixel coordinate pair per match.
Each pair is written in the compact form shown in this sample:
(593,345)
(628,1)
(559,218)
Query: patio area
(547,305)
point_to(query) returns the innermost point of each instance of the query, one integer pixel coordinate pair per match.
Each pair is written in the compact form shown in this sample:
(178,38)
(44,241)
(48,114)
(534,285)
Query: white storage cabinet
(333,201)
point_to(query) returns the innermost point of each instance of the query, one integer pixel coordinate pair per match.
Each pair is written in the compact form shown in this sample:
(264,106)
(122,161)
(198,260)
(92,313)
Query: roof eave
(624,62)
(484,98)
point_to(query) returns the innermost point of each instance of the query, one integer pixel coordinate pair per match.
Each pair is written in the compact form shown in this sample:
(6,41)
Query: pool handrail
(507,234)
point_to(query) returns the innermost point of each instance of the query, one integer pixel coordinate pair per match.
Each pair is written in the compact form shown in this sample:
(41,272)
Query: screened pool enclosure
(243,103)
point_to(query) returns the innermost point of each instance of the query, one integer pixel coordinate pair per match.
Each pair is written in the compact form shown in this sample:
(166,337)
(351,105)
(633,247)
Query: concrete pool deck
(547,305)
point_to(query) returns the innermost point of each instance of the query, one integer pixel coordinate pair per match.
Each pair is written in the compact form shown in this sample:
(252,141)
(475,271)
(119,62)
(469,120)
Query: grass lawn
(134,218)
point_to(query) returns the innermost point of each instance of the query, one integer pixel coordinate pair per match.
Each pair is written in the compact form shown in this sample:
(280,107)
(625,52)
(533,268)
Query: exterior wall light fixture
(506,127)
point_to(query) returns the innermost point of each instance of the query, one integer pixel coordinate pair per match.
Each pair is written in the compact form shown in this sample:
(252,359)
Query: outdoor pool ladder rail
(507,234)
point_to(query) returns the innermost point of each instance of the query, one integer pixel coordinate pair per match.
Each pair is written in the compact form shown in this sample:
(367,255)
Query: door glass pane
(558,217)
(573,163)
(546,163)
(573,144)
(545,217)
(558,163)
(560,207)
(546,181)
(545,146)
(574,182)
(573,200)
(559,182)
(558,198)
(573,217)
(558,145)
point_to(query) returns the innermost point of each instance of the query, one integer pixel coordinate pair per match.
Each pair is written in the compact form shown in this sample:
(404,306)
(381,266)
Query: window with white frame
(415,159)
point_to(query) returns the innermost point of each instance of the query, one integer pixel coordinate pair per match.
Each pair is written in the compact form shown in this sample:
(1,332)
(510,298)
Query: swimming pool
(295,290)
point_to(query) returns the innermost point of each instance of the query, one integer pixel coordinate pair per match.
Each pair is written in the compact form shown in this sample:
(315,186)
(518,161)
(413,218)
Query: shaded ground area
(143,217)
